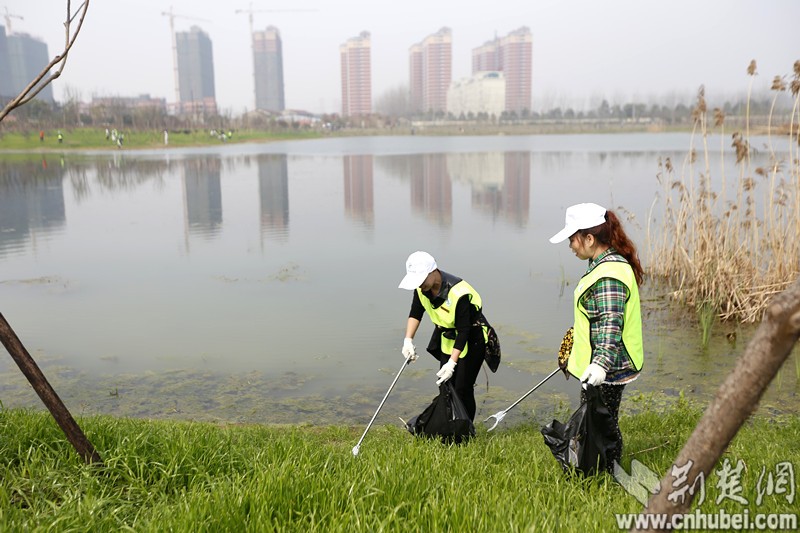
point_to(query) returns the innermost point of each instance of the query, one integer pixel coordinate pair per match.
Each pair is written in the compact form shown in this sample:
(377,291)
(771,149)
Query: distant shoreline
(92,139)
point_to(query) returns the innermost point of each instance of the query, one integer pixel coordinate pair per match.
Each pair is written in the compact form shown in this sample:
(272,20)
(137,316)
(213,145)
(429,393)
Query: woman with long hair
(607,350)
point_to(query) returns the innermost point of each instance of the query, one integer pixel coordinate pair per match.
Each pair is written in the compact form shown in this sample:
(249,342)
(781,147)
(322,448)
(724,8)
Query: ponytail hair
(611,233)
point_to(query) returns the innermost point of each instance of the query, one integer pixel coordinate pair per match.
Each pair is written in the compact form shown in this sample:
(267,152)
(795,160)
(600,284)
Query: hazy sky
(583,50)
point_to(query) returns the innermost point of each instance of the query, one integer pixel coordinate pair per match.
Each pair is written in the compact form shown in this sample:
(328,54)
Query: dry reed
(731,254)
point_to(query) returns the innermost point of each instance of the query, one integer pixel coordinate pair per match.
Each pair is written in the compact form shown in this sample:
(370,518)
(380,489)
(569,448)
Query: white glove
(446,372)
(409,351)
(594,375)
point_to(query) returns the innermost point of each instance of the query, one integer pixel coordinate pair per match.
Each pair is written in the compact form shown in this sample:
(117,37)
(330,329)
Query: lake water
(258,282)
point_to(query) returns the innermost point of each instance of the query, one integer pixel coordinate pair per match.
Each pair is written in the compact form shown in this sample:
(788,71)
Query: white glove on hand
(594,375)
(446,372)
(409,351)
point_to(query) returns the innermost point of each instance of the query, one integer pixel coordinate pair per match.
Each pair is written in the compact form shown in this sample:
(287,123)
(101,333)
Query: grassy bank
(95,139)
(183,476)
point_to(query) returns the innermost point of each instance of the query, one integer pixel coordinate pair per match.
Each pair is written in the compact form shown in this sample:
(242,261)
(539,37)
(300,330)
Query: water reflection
(202,196)
(500,182)
(431,188)
(32,194)
(113,174)
(273,193)
(359,202)
(31,205)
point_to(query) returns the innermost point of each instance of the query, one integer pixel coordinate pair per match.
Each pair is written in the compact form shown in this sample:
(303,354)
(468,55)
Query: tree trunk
(736,399)
(51,400)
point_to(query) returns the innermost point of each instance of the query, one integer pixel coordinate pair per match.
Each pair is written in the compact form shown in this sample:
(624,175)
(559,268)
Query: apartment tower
(356,75)
(415,78)
(268,69)
(431,71)
(22,58)
(5,69)
(195,72)
(513,56)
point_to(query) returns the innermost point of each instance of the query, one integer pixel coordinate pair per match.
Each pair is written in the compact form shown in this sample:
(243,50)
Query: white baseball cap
(580,216)
(418,266)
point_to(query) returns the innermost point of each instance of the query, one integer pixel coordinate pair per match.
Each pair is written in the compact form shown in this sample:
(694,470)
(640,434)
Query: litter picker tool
(357,447)
(564,352)
(498,417)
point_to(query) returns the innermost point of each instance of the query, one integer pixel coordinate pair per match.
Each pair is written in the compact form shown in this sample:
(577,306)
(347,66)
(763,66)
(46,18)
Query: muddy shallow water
(257,397)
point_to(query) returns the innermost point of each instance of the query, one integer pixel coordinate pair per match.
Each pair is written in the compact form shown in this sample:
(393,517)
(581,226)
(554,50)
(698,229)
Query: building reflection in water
(500,182)
(431,189)
(31,204)
(32,201)
(202,196)
(359,202)
(273,190)
(517,187)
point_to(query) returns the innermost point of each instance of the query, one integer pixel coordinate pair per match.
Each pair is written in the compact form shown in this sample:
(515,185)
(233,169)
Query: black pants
(612,397)
(466,375)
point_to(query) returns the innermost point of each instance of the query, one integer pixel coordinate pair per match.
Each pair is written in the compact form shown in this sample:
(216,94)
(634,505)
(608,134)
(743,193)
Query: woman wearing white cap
(458,341)
(607,351)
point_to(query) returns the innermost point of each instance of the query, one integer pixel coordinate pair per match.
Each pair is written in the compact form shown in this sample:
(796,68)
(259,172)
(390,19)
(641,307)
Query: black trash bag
(587,439)
(444,418)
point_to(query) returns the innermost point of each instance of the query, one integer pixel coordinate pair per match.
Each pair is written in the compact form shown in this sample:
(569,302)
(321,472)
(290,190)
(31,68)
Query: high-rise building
(487,57)
(356,75)
(513,56)
(5,68)
(431,71)
(195,72)
(268,69)
(517,49)
(22,58)
(415,78)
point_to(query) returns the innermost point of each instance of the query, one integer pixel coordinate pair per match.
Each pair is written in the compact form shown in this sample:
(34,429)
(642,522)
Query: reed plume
(730,256)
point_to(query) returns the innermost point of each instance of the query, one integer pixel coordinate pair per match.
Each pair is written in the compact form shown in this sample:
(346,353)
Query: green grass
(184,476)
(95,139)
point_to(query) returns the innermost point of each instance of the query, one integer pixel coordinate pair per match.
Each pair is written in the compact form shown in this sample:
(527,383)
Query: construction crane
(172,16)
(250,12)
(9,16)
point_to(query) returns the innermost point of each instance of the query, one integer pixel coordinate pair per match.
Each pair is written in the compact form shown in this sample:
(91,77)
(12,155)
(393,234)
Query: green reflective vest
(581,354)
(444,316)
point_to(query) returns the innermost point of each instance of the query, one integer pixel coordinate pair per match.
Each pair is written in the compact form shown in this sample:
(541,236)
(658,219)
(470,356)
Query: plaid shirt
(605,304)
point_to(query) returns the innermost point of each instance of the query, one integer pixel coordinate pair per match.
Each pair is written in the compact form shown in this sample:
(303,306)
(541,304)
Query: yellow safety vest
(581,354)
(444,316)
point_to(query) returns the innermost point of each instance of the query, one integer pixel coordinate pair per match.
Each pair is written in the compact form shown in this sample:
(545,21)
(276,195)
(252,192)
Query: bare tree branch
(30,92)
